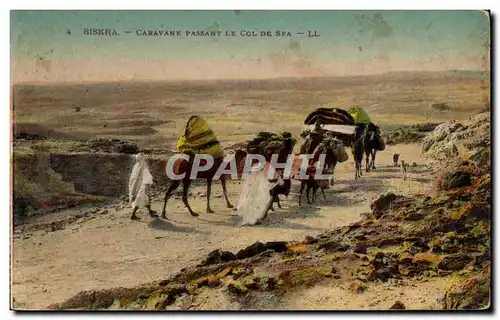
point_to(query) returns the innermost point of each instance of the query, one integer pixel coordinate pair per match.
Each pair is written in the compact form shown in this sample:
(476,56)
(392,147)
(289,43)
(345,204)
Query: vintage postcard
(250,160)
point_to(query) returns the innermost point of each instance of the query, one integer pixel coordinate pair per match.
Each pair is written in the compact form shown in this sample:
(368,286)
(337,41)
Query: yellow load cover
(359,115)
(198,138)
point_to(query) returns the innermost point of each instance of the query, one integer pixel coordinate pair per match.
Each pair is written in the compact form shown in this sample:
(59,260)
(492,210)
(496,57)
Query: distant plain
(153,114)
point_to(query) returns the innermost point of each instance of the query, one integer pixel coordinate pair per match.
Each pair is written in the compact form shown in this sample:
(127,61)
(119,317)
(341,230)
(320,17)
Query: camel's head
(372,131)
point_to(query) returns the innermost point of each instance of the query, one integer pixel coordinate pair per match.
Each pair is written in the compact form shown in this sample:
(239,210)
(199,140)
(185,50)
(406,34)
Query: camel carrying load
(197,139)
(340,123)
(362,118)
(337,122)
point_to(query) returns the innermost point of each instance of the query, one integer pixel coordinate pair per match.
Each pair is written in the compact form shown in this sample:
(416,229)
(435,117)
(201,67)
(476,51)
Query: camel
(198,138)
(184,167)
(332,148)
(314,139)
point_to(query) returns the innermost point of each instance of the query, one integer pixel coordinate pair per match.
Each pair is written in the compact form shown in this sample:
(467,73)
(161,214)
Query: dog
(404,169)
(395,159)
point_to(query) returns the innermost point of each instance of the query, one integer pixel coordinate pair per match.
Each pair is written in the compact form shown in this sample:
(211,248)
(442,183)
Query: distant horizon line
(142,80)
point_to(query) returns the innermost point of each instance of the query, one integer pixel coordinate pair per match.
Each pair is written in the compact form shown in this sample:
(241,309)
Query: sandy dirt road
(110,250)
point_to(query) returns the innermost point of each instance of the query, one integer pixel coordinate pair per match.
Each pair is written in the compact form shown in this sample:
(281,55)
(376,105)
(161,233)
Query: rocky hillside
(413,133)
(445,233)
(457,141)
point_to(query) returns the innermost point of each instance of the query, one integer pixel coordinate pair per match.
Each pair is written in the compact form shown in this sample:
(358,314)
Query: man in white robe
(139,183)
(255,199)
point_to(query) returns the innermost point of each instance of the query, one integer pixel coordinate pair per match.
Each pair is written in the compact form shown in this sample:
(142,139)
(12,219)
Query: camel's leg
(324,195)
(168,194)
(373,158)
(133,216)
(314,190)
(308,190)
(367,161)
(224,191)
(278,201)
(209,189)
(152,213)
(186,183)
(302,185)
(271,205)
(268,206)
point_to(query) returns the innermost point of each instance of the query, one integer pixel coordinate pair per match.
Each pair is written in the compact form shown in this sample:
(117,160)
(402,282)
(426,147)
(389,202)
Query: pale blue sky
(419,36)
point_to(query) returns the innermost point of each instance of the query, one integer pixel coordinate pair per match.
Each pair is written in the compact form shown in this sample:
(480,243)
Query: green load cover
(359,115)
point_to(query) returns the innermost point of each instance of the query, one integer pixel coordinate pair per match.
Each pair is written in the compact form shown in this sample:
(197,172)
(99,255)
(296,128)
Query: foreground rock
(398,305)
(470,294)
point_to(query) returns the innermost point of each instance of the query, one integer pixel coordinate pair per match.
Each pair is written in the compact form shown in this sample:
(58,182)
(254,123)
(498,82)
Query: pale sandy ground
(112,251)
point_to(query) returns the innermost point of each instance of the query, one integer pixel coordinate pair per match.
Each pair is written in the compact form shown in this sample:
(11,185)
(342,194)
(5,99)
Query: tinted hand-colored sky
(349,42)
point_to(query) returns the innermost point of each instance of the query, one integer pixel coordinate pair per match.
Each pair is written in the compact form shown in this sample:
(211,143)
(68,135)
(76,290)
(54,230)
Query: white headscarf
(140,176)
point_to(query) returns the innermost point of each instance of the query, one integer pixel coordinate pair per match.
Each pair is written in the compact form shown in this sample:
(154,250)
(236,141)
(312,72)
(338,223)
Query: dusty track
(108,250)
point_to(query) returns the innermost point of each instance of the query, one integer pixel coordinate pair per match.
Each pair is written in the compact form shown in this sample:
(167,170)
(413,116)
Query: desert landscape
(379,242)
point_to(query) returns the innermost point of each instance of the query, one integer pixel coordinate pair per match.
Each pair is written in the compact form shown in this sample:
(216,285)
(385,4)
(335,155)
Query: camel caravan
(267,163)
